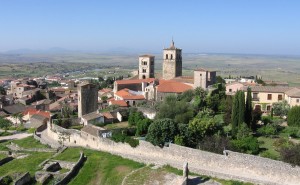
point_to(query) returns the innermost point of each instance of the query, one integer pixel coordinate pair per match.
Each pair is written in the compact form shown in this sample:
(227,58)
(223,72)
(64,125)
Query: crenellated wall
(234,166)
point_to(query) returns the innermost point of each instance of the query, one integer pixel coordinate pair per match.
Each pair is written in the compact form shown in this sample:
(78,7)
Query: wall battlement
(235,165)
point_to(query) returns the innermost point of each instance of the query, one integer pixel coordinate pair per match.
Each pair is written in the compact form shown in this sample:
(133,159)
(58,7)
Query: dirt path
(15,136)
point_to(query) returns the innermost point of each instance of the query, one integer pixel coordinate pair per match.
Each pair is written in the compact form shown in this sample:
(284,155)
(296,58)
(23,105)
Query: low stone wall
(6,160)
(24,179)
(72,173)
(235,165)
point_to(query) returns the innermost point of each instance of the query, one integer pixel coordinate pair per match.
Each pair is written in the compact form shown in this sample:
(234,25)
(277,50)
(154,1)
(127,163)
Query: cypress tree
(241,107)
(234,115)
(248,108)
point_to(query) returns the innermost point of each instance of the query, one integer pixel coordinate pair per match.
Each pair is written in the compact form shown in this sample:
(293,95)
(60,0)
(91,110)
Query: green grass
(3,145)
(29,142)
(117,125)
(2,156)
(267,143)
(27,164)
(231,182)
(100,167)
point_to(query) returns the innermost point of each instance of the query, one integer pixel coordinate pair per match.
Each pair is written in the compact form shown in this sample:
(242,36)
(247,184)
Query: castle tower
(172,62)
(204,78)
(87,99)
(146,66)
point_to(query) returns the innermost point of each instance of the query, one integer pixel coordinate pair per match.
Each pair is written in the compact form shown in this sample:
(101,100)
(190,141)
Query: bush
(6,180)
(282,143)
(248,145)
(293,116)
(291,155)
(122,137)
(292,131)
(21,128)
(5,133)
(267,130)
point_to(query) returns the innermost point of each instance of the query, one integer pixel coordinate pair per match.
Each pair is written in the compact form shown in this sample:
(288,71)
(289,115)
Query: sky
(197,26)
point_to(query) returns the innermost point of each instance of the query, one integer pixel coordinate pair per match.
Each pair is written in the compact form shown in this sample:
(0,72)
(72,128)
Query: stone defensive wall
(234,165)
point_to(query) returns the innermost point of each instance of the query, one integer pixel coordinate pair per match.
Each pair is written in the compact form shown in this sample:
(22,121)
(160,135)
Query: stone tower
(87,98)
(172,62)
(204,78)
(146,66)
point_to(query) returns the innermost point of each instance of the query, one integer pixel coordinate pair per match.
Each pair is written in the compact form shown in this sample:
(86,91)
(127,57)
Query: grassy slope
(29,142)
(27,164)
(100,168)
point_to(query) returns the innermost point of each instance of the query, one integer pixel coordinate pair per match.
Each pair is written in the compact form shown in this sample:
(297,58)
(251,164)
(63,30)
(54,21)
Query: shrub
(291,155)
(267,130)
(292,131)
(248,145)
(282,143)
(214,144)
(122,137)
(6,180)
(293,116)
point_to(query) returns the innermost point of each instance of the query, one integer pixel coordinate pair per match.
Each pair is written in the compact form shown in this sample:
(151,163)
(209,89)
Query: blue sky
(204,26)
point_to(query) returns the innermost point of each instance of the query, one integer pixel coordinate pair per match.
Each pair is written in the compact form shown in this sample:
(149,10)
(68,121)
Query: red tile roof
(169,86)
(121,103)
(107,115)
(148,80)
(32,111)
(125,94)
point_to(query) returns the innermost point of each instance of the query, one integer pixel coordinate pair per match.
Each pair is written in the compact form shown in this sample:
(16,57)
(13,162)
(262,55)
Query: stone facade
(204,78)
(87,99)
(146,66)
(172,62)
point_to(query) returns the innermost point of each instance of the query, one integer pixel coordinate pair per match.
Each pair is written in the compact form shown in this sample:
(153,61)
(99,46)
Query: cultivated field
(279,68)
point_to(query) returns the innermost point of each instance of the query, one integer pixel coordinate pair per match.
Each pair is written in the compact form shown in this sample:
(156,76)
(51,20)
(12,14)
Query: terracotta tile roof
(126,95)
(172,86)
(295,92)
(32,111)
(121,103)
(107,115)
(148,80)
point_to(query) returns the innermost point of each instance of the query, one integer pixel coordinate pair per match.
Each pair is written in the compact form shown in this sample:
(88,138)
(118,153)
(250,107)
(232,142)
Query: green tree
(235,115)
(228,110)
(293,116)
(241,107)
(135,117)
(203,127)
(220,80)
(248,145)
(281,108)
(248,108)
(161,131)
(4,123)
(142,126)
(243,131)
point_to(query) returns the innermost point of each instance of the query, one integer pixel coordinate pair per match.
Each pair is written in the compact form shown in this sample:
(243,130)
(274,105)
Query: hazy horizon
(208,26)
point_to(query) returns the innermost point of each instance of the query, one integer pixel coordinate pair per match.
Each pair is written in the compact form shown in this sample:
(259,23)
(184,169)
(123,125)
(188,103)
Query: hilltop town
(212,123)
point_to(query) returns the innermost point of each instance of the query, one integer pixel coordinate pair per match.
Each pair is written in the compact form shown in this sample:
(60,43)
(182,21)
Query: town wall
(233,166)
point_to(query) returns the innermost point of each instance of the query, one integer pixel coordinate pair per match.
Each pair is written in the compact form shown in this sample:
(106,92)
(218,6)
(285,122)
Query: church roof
(170,86)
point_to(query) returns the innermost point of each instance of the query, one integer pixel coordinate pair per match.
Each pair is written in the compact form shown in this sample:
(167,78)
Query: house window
(297,100)
(279,97)
(255,96)
(144,70)
(166,56)
(230,90)
(171,56)
(269,96)
(269,108)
